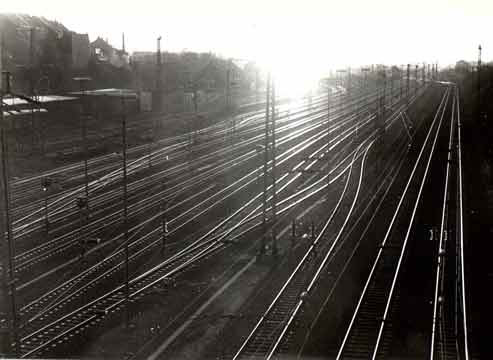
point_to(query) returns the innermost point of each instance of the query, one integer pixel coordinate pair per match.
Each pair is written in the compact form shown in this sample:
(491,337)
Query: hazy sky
(281,32)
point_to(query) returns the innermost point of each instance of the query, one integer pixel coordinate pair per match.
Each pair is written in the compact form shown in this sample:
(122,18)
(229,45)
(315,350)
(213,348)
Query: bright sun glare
(294,76)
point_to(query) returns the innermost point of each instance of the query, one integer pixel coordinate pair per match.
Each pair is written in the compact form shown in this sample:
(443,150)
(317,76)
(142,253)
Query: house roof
(108,92)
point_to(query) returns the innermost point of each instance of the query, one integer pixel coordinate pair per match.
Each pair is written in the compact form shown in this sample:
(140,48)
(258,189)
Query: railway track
(36,341)
(449,331)
(148,202)
(152,277)
(271,336)
(264,338)
(267,337)
(381,303)
(40,253)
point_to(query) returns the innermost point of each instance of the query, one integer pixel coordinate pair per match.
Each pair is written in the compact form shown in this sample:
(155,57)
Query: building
(105,53)
(81,50)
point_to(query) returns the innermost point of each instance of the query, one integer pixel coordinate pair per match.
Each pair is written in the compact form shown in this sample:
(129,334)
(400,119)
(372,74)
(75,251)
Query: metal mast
(328,139)
(125,210)
(266,164)
(479,82)
(159,80)
(407,81)
(7,225)
(270,191)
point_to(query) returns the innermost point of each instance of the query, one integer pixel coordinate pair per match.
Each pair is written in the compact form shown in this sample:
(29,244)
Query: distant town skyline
(317,34)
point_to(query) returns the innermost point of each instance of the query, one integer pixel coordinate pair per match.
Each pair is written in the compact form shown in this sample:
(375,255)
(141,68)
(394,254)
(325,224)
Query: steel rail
(389,228)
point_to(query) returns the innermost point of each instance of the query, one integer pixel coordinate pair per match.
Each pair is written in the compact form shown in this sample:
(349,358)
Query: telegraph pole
(9,281)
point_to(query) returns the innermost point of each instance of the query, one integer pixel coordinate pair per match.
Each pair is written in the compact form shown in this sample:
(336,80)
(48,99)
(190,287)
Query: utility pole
(9,281)
(125,210)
